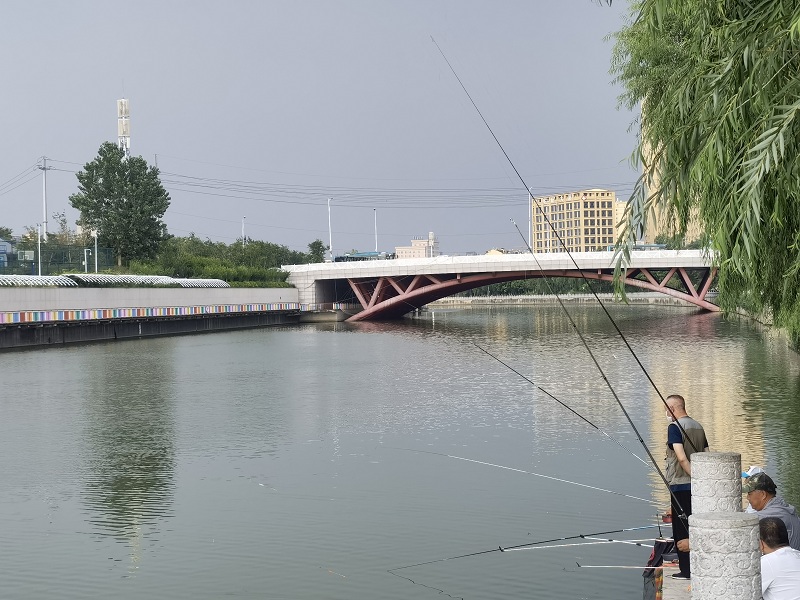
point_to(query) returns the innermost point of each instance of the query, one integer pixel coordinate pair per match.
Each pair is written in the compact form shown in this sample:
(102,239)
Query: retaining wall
(32,317)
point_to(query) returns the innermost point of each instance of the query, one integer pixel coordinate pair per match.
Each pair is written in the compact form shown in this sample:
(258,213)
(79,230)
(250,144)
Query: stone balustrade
(725,553)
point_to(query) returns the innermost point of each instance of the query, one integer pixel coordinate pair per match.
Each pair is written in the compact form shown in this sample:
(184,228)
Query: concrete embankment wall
(45,316)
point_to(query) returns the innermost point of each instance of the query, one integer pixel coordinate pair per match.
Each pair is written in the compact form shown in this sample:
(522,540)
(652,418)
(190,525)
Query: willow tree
(123,199)
(718,84)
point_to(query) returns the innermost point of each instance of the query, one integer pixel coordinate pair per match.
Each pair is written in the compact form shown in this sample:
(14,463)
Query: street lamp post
(530,219)
(330,234)
(86,253)
(94,234)
(39,245)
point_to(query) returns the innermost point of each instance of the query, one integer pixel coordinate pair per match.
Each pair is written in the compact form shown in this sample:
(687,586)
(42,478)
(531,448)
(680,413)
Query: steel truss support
(392,297)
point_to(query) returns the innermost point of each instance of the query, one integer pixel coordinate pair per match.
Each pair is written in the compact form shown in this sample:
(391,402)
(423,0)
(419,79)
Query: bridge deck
(649,259)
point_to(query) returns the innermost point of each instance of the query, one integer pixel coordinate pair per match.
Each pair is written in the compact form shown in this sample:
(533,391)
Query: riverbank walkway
(675,589)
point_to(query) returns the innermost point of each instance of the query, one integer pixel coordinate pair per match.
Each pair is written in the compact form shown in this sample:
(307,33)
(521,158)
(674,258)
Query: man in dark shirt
(685,436)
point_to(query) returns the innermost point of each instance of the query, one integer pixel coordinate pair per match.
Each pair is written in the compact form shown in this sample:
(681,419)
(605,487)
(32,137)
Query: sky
(260,111)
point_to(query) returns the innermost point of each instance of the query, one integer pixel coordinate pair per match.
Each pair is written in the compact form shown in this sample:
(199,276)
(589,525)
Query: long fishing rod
(569,316)
(507,548)
(569,408)
(595,542)
(488,464)
(569,254)
(618,566)
(610,318)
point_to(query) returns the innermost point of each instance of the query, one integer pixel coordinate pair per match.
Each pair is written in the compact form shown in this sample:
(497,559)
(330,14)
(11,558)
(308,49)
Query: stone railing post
(716,482)
(725,555)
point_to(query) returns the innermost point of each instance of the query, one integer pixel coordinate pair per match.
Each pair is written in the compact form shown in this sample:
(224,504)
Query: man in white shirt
(780,564)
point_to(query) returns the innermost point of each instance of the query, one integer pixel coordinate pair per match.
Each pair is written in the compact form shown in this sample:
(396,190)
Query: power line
(32,178)
(374,178)
(17,177)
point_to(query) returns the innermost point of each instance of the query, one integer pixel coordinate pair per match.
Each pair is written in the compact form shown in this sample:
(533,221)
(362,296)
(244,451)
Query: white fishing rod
(488,464)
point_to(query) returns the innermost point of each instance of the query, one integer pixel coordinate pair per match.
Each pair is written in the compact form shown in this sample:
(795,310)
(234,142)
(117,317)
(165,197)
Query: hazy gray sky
(265,109)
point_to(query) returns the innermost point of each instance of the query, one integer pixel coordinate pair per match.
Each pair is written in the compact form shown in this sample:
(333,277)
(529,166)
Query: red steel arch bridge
(388,289)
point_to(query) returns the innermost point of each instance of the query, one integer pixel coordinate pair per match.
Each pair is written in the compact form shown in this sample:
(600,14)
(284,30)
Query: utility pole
(330,234)
(44,169)
(244,239)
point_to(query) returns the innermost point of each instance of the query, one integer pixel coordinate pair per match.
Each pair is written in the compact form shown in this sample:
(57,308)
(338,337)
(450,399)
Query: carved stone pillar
(725,556)
(716,482)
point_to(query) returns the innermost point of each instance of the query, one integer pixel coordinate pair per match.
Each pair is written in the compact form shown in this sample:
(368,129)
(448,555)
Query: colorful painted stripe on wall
(103,314)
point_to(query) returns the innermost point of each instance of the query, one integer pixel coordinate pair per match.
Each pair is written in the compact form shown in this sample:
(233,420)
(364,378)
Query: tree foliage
(6,233)
(255,263)
(316,251)
(719,88)
(123,199)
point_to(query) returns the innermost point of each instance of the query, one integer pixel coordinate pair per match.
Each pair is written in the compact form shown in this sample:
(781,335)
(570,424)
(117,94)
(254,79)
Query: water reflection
(732,386)
(130,456)
(771,405)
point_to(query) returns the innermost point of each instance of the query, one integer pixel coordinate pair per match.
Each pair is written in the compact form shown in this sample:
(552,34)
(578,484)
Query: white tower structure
(124,126)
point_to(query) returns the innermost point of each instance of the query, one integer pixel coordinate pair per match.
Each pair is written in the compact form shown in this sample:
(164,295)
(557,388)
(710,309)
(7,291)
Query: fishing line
(558,237)
(593,543)
(566,250)
(488,464)
(613,322)
(567,313)
(569,408)
(502,549)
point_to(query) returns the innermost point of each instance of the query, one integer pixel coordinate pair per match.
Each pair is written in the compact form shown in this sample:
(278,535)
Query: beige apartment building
(584,221)
(420,248)
(658,223)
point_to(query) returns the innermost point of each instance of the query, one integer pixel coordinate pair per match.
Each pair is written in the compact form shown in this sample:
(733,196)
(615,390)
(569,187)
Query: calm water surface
(308,462)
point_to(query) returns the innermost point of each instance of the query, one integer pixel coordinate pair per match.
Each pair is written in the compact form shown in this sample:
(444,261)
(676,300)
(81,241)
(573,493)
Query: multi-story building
(419,248)
(584,221)
(657,222)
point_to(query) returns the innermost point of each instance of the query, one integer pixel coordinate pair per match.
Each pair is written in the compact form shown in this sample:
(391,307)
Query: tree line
(122,201)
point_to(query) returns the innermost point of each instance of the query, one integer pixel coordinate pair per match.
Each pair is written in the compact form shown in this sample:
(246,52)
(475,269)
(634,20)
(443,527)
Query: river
(320,461)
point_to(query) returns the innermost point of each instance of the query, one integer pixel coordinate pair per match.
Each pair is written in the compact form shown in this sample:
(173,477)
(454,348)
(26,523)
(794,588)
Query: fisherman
(762,495)
(685,436)
(780,564)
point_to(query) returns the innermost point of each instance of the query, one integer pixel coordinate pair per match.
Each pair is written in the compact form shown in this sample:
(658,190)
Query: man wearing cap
(780,564)
(685,436)
(761,494)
